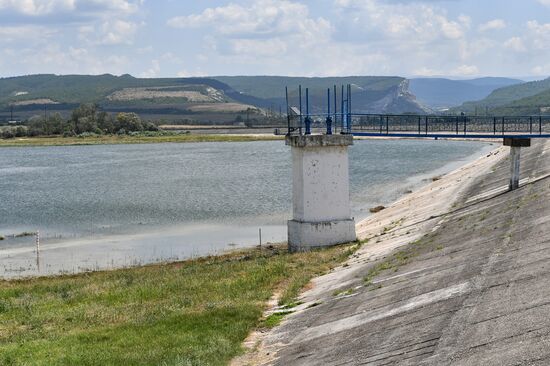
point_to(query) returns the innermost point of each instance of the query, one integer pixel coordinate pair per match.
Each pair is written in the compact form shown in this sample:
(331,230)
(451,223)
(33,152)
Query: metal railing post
(301,119)
(426,125)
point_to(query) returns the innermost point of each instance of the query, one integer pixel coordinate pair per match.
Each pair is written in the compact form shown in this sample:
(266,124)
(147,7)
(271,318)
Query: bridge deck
(431,126)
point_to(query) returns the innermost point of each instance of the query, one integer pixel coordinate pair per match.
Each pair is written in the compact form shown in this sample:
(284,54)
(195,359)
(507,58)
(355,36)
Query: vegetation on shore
(86,119)
(89,125)
(139,138)
(195,312)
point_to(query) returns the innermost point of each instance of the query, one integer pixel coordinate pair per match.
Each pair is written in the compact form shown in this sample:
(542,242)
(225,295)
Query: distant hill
(370,94)
(440,93)
(200,99)
(526,98)
(103,88)
(533,105)
(196,100)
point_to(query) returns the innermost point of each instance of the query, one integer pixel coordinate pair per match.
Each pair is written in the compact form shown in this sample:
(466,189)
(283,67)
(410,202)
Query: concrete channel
(474,290)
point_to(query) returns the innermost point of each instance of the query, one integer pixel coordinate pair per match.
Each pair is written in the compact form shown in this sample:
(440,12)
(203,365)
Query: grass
(275,319)
(196,312)
(115,139)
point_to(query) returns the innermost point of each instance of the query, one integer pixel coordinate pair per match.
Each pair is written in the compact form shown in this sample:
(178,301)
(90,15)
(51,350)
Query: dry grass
(114,139)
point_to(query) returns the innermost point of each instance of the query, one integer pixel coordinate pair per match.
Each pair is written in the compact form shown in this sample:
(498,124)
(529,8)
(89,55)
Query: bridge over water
(320,141)
(339,118)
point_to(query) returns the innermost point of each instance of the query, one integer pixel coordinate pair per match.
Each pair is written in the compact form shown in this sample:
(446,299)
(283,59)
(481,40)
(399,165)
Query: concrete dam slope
(473,289)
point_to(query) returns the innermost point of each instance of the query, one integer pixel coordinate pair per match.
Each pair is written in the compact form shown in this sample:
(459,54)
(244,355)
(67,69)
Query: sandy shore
(403,222)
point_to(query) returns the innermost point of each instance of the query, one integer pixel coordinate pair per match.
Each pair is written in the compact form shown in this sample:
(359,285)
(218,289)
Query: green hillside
(195,100)
(533,105)
(370,94)
(171,100)
(83,88)
(516,95)
(273,87)
(443,93)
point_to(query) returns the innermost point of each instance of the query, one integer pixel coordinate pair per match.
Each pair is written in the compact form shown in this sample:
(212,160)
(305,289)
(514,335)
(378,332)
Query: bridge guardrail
(424,125)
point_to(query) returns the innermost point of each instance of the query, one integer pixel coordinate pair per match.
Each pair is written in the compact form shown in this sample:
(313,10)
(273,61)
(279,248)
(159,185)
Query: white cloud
(23,33)
(266,28)
(37,8)
(539,35)
(109,32)
(263,19)
(545,2)
(541,70)
(465,20)
(466,70)
(494,24)
(515,44)
(363,37)
(153,71)
(426,71)
(415,21)
(117,32)
(53,58)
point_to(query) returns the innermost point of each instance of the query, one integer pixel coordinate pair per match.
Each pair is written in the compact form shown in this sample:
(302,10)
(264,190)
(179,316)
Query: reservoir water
(118,205)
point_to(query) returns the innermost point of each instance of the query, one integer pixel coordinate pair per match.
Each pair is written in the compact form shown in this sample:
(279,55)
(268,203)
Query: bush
(150,127)
(20,131)
(8,134)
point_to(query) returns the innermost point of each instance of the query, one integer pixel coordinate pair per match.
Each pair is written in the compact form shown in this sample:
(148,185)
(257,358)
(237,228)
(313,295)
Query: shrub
(8,134)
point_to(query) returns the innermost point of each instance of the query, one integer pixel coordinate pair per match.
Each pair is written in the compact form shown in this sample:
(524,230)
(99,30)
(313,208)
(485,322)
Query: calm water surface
(117,205)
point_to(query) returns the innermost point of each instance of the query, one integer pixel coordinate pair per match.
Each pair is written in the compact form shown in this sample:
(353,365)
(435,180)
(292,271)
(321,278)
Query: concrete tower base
(321,206)
(303,236)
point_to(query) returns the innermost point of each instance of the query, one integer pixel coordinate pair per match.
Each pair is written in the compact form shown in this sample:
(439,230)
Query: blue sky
(165,38)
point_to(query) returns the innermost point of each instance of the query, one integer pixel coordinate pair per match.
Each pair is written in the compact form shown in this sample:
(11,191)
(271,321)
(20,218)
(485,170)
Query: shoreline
(128,140)
(184,138)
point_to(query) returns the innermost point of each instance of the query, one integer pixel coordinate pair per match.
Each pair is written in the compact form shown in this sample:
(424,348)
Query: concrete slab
(472,289)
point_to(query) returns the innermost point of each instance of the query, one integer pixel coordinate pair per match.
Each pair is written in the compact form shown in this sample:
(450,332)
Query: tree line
(86,119)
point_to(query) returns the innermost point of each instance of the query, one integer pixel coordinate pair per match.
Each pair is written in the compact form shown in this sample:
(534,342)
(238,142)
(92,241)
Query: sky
(168,38)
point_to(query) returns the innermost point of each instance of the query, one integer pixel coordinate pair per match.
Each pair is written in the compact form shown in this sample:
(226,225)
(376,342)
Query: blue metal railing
(408,125)
(359,124)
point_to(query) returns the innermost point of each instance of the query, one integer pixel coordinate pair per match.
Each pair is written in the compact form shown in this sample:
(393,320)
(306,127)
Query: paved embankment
(468,284)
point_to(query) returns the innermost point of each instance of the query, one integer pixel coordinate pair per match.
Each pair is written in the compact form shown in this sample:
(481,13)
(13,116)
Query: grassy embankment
(196,312)
(115,139)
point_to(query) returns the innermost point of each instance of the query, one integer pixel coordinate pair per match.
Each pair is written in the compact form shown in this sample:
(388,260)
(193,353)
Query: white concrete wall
(320,189)
(303,236)
(321,183)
